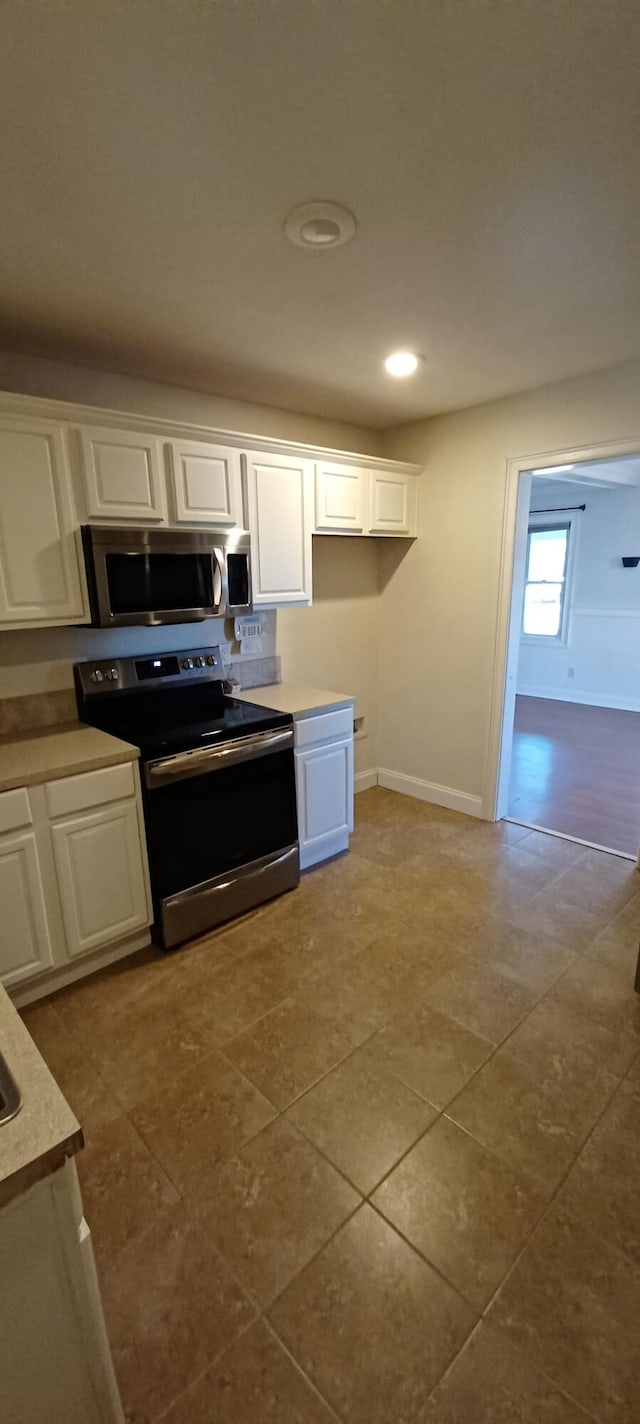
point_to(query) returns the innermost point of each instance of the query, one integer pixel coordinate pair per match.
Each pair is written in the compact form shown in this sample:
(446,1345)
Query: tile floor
(373,1153)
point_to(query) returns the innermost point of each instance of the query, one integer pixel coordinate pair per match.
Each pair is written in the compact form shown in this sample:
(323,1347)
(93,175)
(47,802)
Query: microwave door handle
(220,581)
(208,759)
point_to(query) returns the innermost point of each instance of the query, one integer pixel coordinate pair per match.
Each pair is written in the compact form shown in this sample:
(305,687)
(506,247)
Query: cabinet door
(342,499)
(123,475)
(324,784)
(207,483)
(394,503)
(39,564)
(101,876)
(25,945)
(280,508)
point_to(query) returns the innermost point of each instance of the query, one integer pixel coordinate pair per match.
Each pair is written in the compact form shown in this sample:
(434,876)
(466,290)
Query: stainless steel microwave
(150,576)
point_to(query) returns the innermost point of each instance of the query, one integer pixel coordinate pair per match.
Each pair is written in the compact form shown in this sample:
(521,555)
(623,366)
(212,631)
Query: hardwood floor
(576,769)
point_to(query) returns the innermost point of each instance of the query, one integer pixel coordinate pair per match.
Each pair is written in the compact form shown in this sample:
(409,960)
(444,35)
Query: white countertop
(45,1131)
(58,751)
(294,699)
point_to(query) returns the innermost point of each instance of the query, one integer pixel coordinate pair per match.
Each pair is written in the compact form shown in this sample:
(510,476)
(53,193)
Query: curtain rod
(561,509)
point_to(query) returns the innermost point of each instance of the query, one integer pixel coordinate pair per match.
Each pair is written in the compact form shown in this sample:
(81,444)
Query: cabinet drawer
(92,788)
(323,727)
(15,810)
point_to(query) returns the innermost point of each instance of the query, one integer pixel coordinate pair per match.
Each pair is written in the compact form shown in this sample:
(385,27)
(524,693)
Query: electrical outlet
(359,727)
(571,672)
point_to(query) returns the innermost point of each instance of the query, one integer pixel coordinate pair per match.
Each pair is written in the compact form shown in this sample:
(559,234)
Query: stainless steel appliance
(150,576)
(218,785)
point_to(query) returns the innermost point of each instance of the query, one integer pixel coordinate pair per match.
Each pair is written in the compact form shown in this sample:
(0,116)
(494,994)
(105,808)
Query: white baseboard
(431,791)
(588,699)
(363,780)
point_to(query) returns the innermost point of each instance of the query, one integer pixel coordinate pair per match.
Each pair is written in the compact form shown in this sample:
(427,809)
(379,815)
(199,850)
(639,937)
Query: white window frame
(550,521)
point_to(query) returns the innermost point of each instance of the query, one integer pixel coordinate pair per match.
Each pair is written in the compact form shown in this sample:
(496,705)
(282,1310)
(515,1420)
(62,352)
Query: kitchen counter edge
(295,699)
(53,753)
(38,1140)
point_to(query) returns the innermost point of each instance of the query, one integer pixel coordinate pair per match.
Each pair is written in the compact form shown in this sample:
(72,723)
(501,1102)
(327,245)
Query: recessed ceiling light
(402,363)
(320,225)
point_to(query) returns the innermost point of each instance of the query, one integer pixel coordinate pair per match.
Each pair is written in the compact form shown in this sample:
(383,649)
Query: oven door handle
(208,759)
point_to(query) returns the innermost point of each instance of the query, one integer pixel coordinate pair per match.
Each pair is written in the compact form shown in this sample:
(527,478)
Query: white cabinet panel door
(101,876)
(123,475)
(324,786)
(207,483)
(280,508)
(394,503)
(39,564)
(25,945)
(342,499)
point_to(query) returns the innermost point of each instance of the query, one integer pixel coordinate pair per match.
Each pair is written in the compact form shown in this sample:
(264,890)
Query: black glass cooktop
(148,727)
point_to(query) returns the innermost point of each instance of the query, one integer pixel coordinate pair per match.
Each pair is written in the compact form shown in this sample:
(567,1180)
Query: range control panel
(120,674)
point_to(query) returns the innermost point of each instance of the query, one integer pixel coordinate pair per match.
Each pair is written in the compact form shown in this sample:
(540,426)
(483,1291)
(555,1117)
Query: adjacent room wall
(600,663)
(439,606)
(333,644)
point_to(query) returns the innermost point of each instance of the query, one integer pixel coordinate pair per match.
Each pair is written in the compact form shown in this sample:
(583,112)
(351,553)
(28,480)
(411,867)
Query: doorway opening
(570,738)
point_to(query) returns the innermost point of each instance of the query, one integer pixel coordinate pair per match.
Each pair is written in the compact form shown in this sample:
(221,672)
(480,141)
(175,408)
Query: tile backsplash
(36,664)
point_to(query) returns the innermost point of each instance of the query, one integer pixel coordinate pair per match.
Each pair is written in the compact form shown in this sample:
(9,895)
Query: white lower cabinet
(100,876)
(324,784)
(25,937)
(73,871)
(55,1362)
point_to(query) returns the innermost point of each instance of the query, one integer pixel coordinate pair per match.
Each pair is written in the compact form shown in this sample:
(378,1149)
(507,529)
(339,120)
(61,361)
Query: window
(545,580)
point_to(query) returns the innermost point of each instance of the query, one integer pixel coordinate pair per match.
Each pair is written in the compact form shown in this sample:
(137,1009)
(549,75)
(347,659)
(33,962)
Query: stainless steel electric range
(218,785)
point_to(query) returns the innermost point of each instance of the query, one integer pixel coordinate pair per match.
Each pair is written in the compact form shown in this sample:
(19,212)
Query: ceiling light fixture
(320,225)
(402,363)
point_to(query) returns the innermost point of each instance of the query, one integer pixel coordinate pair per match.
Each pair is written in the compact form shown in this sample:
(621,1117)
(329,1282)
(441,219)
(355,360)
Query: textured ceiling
(489,148)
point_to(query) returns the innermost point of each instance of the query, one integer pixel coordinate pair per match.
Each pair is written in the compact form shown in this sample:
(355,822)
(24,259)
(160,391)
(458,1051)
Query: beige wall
(439,608)
(55,380)
(335,644)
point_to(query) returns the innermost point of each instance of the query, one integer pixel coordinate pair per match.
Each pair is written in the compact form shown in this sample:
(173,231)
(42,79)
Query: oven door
(151,576)
(223,831)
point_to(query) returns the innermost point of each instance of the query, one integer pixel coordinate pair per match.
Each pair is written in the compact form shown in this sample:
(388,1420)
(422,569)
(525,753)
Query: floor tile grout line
(289,1352)
(552,1200)
(282,1112)
(215,1359)
(269,1305)
(480,1323)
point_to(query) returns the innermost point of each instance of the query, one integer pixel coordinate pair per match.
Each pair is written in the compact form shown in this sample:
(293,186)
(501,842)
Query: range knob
(97,675)
(186,664)
(199,662)
(113,674)
(210,660)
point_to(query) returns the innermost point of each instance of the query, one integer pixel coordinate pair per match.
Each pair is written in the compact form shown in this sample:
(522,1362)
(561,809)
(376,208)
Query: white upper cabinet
(207,483)
(394,503)
(342,499)
(39,561)
(123,475)
(280,510)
